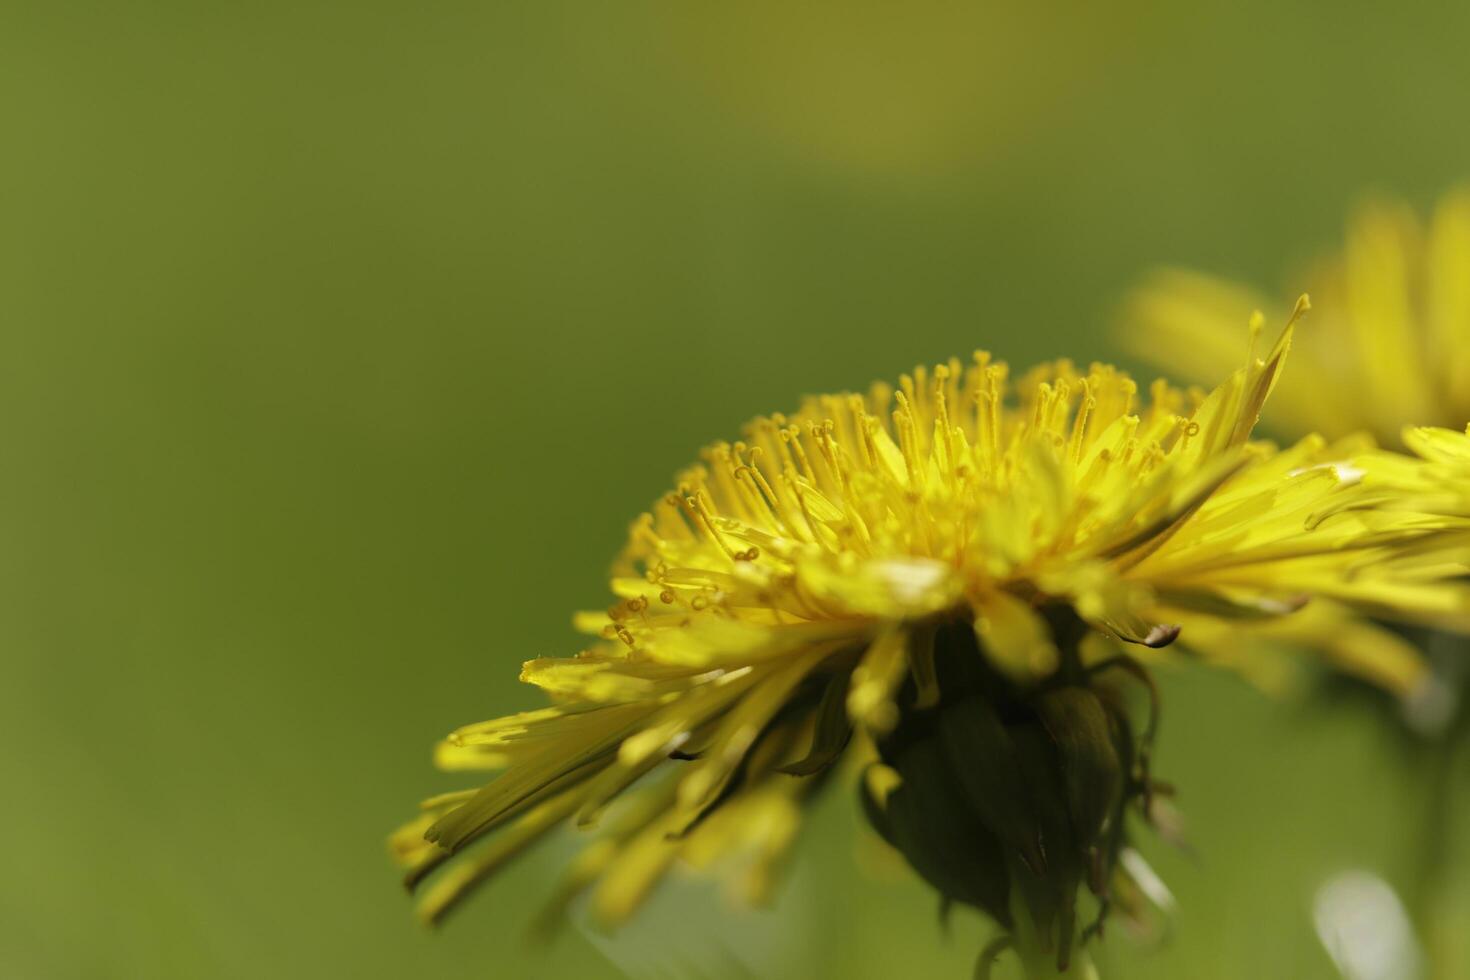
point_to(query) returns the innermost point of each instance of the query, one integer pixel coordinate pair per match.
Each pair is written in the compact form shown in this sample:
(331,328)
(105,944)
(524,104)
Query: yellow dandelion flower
(936,578)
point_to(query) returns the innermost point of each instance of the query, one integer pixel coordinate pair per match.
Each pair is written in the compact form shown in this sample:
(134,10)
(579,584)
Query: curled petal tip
(1162,635)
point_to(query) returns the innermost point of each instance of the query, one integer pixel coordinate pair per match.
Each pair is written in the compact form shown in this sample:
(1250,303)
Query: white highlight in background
(1366,929)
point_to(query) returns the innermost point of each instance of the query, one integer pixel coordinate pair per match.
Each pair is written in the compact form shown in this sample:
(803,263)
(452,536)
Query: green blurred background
(341,341)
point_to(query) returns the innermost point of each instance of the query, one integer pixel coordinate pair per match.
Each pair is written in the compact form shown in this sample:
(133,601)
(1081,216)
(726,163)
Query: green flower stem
(1038,959)
(1041,966)
(1035,964)
(1431,904)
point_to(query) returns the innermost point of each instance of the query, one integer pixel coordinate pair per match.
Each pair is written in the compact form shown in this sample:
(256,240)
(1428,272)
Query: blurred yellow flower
(946,569)
(1390,340)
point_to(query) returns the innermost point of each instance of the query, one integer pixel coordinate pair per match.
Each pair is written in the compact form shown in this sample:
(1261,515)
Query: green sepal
(945,841)
(1092,775)
(983,760)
